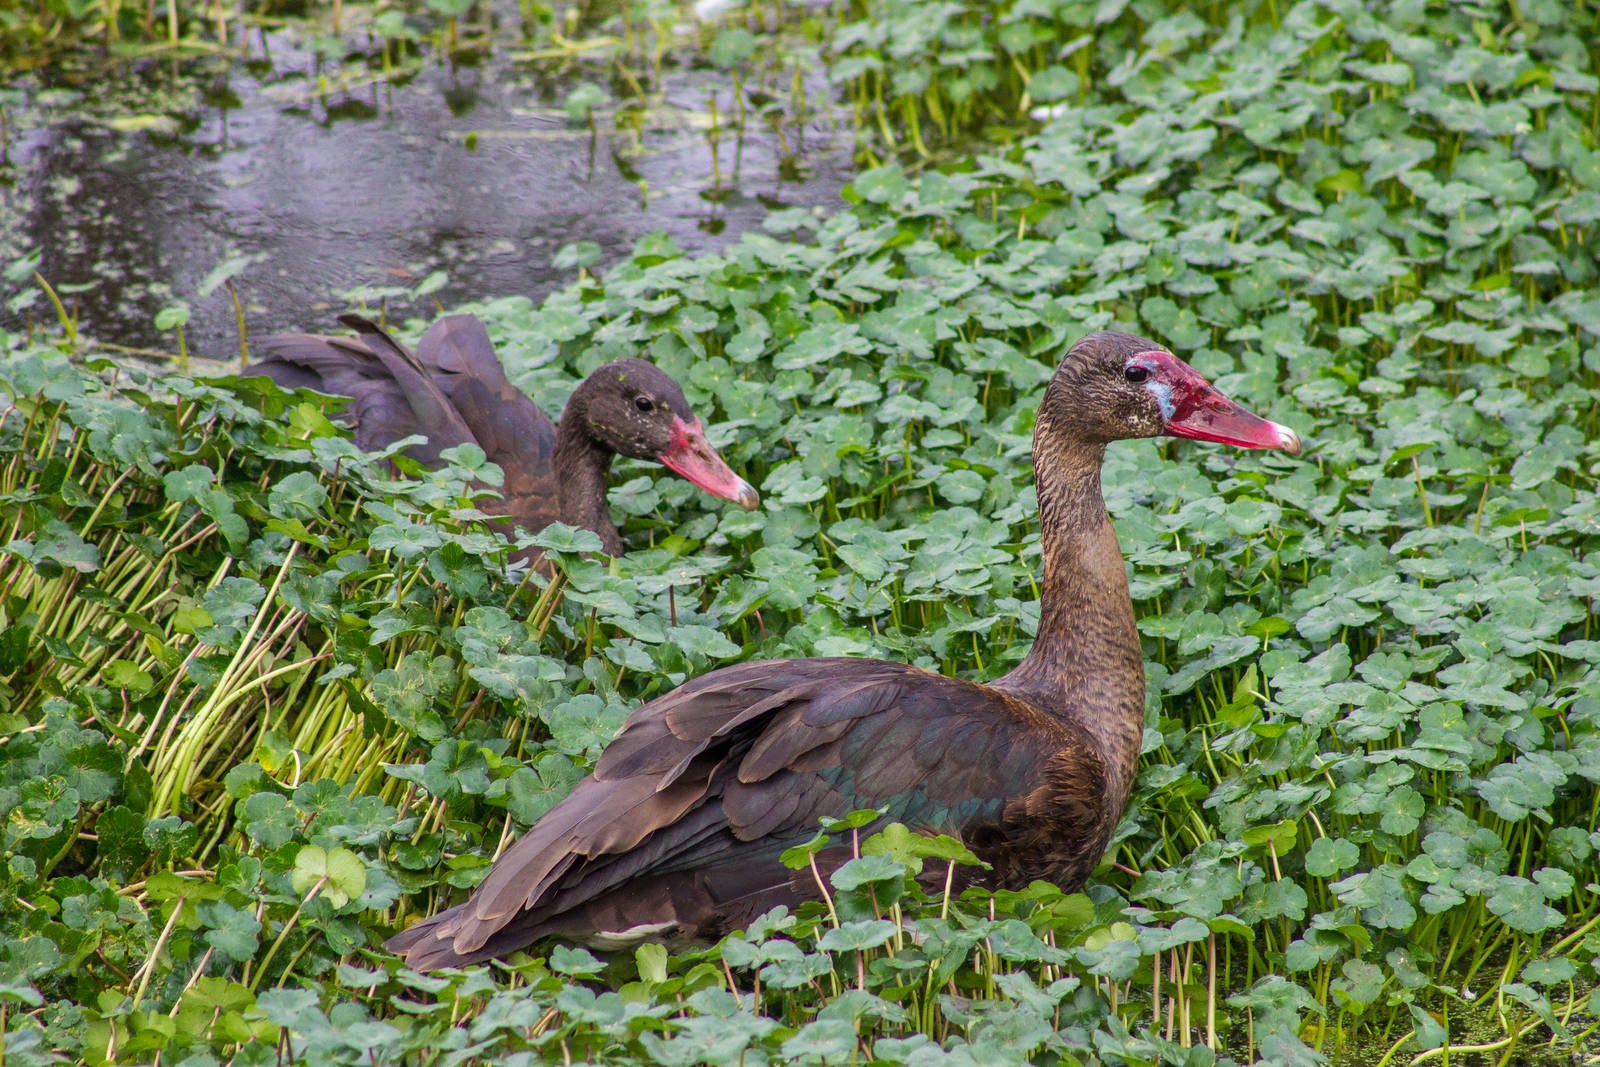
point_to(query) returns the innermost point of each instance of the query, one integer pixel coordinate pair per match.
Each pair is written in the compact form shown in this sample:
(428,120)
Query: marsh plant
(265,701)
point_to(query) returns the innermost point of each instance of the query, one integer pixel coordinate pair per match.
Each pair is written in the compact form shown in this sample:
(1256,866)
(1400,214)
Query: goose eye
(643,403)
(1135,373)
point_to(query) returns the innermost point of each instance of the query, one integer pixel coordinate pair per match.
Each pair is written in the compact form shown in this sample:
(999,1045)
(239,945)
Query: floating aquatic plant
(263,703)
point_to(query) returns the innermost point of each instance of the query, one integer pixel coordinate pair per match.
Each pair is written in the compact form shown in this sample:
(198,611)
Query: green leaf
(57,545)
(220,275)
(881,186)
(1550,972)
(170,838)
(558,537)
(1053,83)
(799,856)
(1403,811)
(1526,786)
(732,46)
(299,495)
(651,959)
(172,316)
(857,936)
(1520,904)
(576,254)
(909,849)
(867,870)
(120,845)
(187,483)
(790,576)
(851,821)
(578,962)
(233,932)
(1328,856)
(126,675)
(532,791)
(21,993)
(405,539)
(1427,1031)
(268,819)
(339,873)
(581,101)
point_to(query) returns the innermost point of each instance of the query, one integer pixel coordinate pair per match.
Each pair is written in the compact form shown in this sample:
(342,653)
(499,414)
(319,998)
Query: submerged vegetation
(261,703)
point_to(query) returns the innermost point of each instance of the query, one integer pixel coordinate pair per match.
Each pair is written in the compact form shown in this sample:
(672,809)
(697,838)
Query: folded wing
(683,820)
(392,395)
(452,390)
(514,433)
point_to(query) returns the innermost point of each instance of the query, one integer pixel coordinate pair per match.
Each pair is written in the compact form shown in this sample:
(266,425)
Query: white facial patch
(1163,394)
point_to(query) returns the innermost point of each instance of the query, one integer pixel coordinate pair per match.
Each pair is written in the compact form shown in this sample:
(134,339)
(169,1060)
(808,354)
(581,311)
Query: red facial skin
(691,456)
(1196,409)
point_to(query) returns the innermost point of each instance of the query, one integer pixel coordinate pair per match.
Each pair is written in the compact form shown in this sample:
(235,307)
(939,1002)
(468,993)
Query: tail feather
(441,422)
(563,875)
(426,945)
(459,346)
(333,365)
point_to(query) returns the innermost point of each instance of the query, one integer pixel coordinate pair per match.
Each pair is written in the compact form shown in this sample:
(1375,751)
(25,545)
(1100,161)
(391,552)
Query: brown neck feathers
(1085,666)
(581,466)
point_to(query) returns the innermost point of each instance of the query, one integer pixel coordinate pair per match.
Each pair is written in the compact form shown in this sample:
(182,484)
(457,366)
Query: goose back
(681,825)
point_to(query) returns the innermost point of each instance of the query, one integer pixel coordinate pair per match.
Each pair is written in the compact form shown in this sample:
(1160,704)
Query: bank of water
(306,171)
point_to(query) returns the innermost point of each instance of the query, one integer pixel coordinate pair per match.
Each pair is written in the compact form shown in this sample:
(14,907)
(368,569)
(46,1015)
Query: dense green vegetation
(262,705)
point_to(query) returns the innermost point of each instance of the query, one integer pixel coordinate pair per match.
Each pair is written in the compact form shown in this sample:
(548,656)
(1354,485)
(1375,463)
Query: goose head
(1113,386)
(633,408)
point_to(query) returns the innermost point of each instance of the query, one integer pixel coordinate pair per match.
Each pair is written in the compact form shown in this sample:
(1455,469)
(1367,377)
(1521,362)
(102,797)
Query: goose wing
(390,392)
(682,822)
(459,357)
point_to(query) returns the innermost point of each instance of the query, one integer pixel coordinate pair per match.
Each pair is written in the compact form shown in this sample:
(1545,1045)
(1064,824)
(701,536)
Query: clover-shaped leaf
(337,873)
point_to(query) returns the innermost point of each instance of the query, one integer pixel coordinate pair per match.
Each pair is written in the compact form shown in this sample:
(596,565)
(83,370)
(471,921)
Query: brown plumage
(681,824)
(453,390)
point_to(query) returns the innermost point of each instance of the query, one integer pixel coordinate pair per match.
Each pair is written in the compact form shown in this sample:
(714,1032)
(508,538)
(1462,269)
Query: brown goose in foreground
(681,824)
(453,390)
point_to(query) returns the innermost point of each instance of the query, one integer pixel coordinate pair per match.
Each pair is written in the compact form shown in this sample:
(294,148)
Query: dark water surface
(132,183)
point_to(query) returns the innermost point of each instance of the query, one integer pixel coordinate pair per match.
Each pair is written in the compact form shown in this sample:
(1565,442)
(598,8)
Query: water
(134,182)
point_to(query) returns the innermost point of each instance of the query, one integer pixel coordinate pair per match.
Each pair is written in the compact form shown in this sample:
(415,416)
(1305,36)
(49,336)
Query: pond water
(132,183)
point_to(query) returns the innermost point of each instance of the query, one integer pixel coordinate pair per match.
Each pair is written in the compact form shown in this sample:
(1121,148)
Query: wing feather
(458,356)
(688,808)
(332,365)
(458,346)
(391,393)
(819,722)
(443,424)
